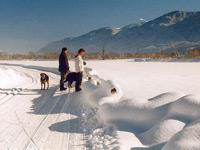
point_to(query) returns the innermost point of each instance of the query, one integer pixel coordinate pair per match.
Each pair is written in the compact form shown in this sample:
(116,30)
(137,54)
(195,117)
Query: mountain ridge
(165,33)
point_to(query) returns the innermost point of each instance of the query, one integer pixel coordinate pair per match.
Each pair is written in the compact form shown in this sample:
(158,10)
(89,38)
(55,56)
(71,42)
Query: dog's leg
(41,86)
(69,84)
(44,86)
(47,85)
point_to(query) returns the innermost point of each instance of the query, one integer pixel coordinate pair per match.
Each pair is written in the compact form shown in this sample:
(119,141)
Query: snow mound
(186,108)
(102,89)
(156,122)
(161,132)
(101,93)
(163,99)
(11,78)
(188,138)
(128,140)
(153,123)
(112,97)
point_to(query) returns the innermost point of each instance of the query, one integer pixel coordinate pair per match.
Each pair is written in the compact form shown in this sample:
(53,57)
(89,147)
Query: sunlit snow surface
(10,78)
(156,106)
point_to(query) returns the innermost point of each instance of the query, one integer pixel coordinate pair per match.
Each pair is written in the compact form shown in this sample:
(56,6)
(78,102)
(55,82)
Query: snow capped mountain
(172,18)
(175,17)
(165,32)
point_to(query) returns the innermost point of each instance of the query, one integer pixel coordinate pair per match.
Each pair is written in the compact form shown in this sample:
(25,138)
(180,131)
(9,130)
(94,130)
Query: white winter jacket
(79,67)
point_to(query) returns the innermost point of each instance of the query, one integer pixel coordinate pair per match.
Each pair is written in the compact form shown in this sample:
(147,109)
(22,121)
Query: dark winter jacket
(63,63)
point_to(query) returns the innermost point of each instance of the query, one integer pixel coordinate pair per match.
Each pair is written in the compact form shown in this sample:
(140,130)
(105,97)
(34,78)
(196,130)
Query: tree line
(190,54)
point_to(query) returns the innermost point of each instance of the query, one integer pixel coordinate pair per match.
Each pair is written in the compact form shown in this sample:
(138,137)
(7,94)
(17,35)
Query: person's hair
(64,49)
(81,50)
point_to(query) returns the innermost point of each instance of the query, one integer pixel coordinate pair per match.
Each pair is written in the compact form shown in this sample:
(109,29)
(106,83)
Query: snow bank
(101,89)
(161,132)
(186,108)
(11,78)
(188,138)
(161,122)
(128,140)
(153,125)
(162,99)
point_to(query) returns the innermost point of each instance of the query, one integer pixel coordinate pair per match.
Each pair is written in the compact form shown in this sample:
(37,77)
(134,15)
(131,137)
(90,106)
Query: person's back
(63,62)
(63,67)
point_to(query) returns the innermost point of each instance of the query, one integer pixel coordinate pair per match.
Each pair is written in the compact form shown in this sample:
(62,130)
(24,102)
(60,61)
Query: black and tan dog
(44,79)
(70,78)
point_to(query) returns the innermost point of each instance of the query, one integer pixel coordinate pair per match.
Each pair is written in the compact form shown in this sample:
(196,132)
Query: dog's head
(42,76)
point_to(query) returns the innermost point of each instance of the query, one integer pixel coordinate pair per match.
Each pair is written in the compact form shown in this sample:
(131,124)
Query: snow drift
(11,78)
(165,119)
(159,123)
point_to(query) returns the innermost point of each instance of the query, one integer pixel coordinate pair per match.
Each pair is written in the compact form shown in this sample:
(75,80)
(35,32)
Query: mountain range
(177,30)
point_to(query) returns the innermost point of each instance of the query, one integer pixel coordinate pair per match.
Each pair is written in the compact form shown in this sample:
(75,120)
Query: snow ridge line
(38,127)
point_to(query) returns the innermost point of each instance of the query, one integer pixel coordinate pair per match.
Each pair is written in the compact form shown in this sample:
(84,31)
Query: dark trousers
(62,79)
(79,81)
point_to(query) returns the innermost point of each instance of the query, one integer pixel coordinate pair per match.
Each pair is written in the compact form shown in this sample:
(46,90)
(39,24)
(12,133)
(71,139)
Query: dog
(44,79)
(70,78)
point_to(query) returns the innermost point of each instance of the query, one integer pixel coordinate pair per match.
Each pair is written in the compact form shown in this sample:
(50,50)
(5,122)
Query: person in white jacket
(79,68)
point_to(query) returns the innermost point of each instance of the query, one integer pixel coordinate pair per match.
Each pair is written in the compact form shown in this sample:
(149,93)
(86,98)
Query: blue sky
(27,25)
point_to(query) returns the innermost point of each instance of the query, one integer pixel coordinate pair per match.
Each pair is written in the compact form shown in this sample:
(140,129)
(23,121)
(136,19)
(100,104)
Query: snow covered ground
(156,106)
(11,78)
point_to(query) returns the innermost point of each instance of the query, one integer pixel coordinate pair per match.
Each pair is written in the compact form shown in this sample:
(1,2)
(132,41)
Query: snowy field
(156,106)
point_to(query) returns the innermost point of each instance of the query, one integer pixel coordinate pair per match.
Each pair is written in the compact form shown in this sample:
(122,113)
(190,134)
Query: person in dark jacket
(63,67)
